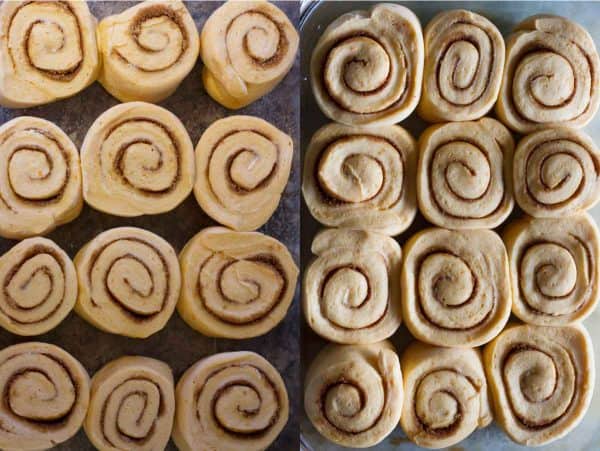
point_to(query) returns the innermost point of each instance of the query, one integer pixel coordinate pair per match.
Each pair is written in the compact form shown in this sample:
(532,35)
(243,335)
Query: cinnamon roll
(137,159)
(132,405)
(129,282)
(351,292)
(247,49)
(147,50)
(367,67)
(353,393)
(361,178)
(45,393)
(243,165)
(556,173)
(230,401)
(554,269)
(446,394)
(464,178)
(48,51)
(551,75)
(40,185)
(455,287)
(541,380)
(235,284)
(464,59)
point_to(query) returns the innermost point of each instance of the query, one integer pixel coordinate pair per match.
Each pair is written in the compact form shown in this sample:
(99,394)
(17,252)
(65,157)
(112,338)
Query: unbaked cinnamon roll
(247,49)
(351,291)
(554,268)
(541,380)
(129,282)
(45,394)
(230,401)
(464,59)
(147,50)
(40,184)
(235,284)
(353,393)
(48,51)
(550,77)
(137,158)
(464,178)
(132,405)
(367,67)
(455,287)
(361,178)
(243,165)
(446,394)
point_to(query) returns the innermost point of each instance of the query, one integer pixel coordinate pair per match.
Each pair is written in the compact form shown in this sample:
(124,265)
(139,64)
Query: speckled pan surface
(505,15)
(177,344)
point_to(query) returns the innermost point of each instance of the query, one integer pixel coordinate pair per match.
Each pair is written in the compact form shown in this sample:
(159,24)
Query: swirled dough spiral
(147,50)
(551,76)
(556,173)
(129,282)
(446,394)
(230,401)
(367,67)
(541,380)
(455,287)
(353,393)
(554,268)
(235,284)
(45,393)
(40,185)
(247,49)
(243,165)
(351,290)
(137,158)
(464,178)
(39,287)
(361,178)
(48,51)
(132,405)
(464,59)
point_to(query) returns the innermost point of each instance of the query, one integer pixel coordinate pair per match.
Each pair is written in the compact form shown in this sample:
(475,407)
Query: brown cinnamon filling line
(282,44)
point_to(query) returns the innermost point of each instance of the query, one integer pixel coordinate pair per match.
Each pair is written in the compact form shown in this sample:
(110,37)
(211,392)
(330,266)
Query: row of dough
(541,381)
(463,175)
(53,50)
(227,401)
(374,67)
(128,281)
(137,158)
(452,288)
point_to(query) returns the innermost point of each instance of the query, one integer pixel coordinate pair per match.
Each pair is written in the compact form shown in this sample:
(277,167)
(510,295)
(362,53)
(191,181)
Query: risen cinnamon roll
(40,184)
(230,401)
(132,405)
(137,158)
(464,178)
(353,394)
(45,395)
(235,284)
(247,49)
(367,67)
(48,51)
(455,287)
(554,269)
(464,59)
(361,178)
(445,393)
(541,380)
(147,50)
(129,282)
(550,77)
(351,291)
